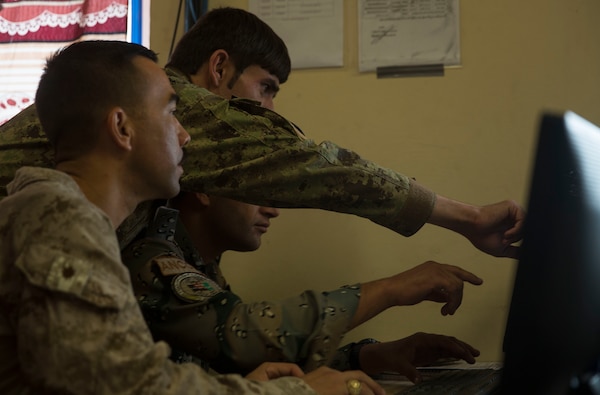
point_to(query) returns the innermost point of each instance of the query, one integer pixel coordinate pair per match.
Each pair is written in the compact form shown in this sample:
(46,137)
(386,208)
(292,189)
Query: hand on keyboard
(405,355)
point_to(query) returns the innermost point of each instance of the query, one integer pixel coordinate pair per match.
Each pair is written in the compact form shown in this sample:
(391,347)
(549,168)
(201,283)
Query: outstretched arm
(428,281)
(492,228)
(260,159)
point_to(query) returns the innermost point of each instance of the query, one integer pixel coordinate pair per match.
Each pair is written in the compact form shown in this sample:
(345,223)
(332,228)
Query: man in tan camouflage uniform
(69,322)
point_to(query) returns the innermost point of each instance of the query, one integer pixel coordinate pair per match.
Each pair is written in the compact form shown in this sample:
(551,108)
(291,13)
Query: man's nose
(268,103)
(270,212)
(184,136)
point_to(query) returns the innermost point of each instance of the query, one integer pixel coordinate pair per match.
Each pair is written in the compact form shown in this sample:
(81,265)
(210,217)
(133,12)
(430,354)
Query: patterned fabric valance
(32,30)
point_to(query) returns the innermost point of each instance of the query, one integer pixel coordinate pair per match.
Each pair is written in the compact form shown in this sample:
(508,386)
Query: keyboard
(456,382)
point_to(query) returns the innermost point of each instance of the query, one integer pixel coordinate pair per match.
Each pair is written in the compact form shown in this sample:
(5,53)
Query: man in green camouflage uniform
(250,153)
(69,322)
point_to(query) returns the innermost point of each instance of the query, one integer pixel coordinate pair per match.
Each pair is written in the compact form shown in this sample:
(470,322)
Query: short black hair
(80,83)
(247,39)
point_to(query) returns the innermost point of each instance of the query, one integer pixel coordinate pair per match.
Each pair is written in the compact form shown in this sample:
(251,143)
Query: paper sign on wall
(312,30)
(408,33)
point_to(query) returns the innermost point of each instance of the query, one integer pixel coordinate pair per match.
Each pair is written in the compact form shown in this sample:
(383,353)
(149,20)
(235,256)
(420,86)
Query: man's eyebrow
(174,98)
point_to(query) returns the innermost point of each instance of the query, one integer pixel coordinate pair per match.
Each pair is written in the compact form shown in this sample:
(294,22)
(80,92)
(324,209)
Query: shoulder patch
(170,265)
(194,287)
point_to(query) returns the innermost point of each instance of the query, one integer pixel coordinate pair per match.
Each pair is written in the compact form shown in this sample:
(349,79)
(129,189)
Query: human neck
(207,249)
(200,234)
(102,187)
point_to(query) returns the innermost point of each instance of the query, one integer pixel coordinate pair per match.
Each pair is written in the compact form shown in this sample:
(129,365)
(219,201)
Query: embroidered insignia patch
(170,265)
(194,287)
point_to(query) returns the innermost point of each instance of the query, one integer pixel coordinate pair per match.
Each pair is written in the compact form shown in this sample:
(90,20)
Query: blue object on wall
(135,9)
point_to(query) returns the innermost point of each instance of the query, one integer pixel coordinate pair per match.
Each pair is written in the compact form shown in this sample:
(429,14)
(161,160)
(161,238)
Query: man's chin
(173,191)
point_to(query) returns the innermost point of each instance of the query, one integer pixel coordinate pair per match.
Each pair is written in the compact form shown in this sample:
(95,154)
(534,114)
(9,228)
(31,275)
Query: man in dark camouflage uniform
(206,320)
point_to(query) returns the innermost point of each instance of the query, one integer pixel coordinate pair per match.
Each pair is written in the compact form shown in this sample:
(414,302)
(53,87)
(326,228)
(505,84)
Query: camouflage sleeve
(194,315)
(250,153)
(22,143)
(347,357)
(245,152)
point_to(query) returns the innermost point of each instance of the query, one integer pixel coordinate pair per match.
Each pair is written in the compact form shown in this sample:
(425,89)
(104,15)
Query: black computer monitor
(552,339)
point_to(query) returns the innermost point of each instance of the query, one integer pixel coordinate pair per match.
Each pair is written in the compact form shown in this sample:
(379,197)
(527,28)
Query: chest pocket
(101,281)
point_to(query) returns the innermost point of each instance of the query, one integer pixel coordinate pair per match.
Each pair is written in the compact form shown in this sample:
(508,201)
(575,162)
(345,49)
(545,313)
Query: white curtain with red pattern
(32,30)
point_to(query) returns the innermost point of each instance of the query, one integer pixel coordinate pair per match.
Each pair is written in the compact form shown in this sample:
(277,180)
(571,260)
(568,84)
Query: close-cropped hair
(80,84)
(247,39)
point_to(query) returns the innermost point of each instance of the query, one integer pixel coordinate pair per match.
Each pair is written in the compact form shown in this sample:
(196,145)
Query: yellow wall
(468,135)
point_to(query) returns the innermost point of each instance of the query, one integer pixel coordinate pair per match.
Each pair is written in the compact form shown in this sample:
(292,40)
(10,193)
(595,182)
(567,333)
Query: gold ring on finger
(354,387)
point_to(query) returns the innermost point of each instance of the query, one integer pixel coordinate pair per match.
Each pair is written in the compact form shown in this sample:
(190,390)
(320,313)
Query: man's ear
(120,128)
(203,198)
(218,64)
